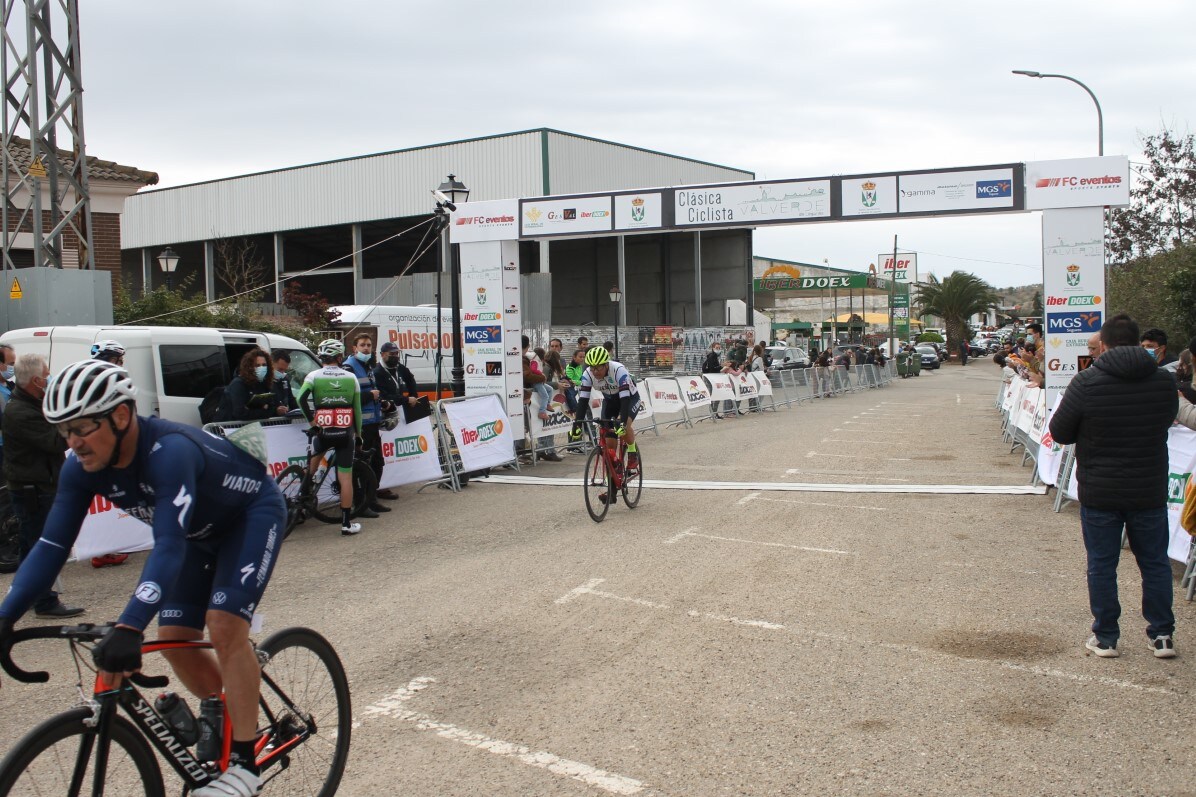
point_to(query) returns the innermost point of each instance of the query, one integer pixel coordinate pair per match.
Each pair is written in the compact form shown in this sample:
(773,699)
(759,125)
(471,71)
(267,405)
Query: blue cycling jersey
(185,483)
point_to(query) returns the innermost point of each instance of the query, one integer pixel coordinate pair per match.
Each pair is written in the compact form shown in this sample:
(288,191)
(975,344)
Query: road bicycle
(607,474)
(316,495)
(10,542)
(303,738)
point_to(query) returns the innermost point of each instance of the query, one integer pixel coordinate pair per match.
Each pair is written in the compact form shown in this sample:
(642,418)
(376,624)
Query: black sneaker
(1101,649)
(59,612)
(379,508)
(366,512)
(1163,646)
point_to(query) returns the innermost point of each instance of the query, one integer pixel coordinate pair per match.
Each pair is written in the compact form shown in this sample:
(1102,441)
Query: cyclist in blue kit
(216,518)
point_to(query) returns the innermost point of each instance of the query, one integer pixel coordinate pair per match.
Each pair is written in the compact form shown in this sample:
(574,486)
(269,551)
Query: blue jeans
(1148,536)
(31,505)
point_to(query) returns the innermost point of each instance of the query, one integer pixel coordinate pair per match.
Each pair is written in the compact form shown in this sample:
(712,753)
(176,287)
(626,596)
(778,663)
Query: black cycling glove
(119,651)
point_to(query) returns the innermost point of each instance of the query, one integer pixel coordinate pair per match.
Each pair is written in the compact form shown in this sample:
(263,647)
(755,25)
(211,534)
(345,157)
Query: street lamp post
(451,193)
(615,296)
(1100,118)
(168,261)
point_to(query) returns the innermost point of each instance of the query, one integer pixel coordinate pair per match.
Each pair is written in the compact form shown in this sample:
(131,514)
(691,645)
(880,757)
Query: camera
(444,200)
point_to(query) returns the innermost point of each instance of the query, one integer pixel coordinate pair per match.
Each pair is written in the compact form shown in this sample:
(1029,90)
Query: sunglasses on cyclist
(81,427)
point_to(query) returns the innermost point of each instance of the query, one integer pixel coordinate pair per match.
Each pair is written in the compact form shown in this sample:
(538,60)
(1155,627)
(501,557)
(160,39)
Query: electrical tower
(46,191)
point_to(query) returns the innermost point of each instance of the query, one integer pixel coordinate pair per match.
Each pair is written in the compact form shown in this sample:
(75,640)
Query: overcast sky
(785,89)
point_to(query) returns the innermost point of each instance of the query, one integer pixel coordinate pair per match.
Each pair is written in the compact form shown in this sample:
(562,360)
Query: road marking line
(958,399)
(394,706)
(744,501)
(820,503)
(584,588)
(692,533)
(789,487)
(853,456)
(863,643)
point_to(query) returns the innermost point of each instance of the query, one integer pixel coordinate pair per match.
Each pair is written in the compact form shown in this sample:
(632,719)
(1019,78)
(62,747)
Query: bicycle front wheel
(305,697)
(58,757)
(633,483)
(596,482)
(290,484)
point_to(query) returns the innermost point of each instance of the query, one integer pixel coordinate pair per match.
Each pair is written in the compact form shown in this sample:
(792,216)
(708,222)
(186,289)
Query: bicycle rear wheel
(61,752)
(304,694)
(326,505)
(290,484)
(597,480)
(10,544)
(633,483)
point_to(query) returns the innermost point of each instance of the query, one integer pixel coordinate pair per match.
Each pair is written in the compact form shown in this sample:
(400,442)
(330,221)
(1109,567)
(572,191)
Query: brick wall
(105,238)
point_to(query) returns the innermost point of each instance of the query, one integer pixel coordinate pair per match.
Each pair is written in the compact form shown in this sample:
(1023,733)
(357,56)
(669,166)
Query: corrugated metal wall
(581,165)
(386,186)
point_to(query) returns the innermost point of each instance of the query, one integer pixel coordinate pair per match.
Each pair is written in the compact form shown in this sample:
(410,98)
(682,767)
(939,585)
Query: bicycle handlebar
(86,632)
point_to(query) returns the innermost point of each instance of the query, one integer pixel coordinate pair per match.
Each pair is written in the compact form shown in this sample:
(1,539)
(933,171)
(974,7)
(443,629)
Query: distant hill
(1021,296)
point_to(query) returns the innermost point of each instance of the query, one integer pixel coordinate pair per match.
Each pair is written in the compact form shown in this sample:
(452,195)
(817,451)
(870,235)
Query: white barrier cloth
(411,453)
(721,386)
(1181,456)
(558,418)
(482,431)
(665,395)
(763,383)
(745,386)
(1049,452)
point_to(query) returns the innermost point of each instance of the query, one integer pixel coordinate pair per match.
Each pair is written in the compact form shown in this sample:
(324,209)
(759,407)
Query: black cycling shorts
(228,573)
(345,447)
(612,407)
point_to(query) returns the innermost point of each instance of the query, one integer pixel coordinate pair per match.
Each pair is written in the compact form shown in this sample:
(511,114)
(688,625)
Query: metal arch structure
(46,187)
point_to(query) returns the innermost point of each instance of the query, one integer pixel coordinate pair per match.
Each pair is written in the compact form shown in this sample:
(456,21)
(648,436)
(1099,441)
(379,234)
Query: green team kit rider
(330,399)
(620,398)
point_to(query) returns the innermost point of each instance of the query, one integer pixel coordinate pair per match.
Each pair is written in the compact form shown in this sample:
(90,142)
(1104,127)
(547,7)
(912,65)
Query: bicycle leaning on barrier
(303,742)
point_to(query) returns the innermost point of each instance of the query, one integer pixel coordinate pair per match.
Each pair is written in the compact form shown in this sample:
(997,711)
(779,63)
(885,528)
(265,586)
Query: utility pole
(44,97)
(892,295)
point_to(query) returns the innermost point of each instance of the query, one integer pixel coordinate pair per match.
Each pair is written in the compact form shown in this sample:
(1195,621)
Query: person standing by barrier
(822,374)
(361,364)
(1118,413)
(713,365)
(755,364)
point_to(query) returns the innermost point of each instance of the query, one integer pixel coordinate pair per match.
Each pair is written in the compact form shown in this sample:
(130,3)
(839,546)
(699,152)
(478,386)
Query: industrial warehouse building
(347,219)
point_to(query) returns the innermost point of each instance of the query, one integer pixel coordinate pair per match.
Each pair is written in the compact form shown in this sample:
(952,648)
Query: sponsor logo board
(1074,323)
(566,216)
(638,211)
(955,190)
(1078,182)
(755,202)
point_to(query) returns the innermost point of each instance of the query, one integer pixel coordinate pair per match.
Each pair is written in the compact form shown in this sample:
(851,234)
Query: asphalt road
(745,642)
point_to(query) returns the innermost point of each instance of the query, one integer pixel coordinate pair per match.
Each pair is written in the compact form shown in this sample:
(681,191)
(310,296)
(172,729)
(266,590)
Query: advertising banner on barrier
(1031,398)
(412,454)
(482,431)
(694,392)
(1181,457)
(1073,287)
(665,394)
(721,387)
(1049,452)
(745,386)
(763,383)
(556,416)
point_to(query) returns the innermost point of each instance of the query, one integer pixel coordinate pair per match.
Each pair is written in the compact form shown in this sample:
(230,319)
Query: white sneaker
(1101,649)
(235,781)
(1163,646)
(350,530)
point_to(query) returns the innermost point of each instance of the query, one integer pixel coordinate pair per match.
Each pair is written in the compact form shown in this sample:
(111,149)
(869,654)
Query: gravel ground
(748,642)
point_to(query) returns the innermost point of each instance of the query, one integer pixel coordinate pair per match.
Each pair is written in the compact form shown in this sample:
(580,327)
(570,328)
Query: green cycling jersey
(330,387)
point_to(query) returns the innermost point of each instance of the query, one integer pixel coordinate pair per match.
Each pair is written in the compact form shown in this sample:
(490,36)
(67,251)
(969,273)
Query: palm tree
(955,299)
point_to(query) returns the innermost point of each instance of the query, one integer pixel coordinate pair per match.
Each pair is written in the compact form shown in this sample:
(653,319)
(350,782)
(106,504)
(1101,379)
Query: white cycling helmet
(104,349)
(90,387)
(331,348)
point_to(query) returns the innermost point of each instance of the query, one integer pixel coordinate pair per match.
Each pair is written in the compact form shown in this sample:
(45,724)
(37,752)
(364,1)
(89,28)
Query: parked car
(930,355)
(788,357)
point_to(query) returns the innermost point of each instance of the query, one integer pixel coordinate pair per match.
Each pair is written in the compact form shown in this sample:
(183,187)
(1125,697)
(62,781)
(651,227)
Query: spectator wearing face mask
(284,395)
(1154,340)
(250,396)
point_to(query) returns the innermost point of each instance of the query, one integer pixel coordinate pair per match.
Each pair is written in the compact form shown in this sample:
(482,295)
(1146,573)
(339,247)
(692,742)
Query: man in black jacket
(396,386)
(34,453)
(1118,412)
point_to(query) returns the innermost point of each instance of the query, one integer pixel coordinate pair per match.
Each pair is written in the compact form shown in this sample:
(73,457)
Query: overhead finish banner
(1073,286)
(869,196)
(752,203)
(540,217)
(638,211)
(1078,182)
(955,191)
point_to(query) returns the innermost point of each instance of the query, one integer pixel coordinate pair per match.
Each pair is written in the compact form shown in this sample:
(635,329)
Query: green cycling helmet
(597,356)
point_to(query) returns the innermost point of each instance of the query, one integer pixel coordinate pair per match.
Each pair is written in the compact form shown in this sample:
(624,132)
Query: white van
(172,367)
(413,329)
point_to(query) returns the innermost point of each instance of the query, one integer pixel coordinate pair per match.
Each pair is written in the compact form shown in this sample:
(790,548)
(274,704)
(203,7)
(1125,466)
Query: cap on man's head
(389,345)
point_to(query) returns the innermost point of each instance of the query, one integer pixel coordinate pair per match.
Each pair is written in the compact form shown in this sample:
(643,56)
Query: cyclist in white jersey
(620,397)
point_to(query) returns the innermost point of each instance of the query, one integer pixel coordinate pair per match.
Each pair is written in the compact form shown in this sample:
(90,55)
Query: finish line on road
(790,487)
